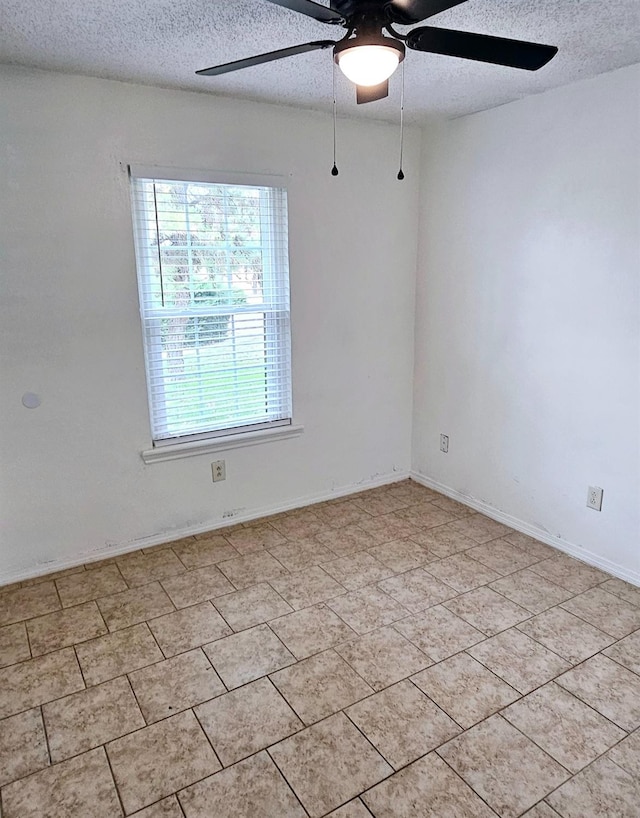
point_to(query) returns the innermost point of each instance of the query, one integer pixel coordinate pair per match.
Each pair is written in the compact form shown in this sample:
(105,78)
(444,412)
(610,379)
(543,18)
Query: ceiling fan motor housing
(347,8)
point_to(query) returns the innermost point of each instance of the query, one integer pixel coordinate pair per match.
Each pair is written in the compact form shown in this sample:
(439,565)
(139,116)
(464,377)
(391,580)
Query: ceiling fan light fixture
(366,62)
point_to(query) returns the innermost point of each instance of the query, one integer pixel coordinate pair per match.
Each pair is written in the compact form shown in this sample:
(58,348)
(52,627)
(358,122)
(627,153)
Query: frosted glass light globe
(368,64)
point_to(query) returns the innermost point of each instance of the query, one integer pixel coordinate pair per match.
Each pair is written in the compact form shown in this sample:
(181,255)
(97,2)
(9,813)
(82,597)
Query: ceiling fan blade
(370,93)
(408,12)
(481,47)
(262,58)
(322,13)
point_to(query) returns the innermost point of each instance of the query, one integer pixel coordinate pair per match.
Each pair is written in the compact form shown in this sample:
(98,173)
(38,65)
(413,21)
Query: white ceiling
(163,42)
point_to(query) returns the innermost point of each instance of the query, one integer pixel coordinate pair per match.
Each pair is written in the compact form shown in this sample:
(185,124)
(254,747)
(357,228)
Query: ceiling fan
(368,57)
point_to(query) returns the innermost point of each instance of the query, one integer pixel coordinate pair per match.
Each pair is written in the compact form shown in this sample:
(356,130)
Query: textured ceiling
(162,42)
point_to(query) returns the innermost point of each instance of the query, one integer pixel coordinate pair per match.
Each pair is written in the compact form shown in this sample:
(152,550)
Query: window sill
(219,444)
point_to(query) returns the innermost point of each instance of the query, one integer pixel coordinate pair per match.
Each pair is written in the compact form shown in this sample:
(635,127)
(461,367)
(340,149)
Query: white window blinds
(213,279)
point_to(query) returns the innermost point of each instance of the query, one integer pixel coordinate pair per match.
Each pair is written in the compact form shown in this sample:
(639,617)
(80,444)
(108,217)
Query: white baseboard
(533,531)
(117,549)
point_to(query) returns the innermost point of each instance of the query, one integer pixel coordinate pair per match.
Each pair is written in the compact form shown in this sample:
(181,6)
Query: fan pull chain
(400,172)
(334,169)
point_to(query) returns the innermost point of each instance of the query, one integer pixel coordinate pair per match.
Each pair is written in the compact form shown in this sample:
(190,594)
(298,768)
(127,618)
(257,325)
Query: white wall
(528,313)
(72,480)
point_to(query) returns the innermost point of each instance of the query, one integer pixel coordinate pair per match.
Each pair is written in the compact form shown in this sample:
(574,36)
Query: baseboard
(117,549)
(533,531)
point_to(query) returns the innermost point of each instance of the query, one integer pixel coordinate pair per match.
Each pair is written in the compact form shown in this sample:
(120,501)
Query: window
(213,279)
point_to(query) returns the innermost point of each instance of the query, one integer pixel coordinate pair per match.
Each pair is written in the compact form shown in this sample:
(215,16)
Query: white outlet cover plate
(594,498)
(218,471)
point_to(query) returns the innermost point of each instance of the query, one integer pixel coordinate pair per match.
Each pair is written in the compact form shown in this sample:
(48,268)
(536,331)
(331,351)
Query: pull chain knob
(400,172)
(334,169)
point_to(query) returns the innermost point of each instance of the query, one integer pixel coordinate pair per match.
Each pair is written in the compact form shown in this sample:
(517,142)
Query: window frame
(277,321)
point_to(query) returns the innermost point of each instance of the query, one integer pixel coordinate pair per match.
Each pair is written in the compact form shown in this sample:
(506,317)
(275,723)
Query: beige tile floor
(390,654)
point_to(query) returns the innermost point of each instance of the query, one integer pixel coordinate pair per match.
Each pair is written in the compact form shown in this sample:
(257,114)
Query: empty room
(320,443)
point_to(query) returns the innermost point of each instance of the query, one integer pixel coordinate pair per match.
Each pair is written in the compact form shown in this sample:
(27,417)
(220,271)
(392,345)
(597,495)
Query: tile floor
(389,654)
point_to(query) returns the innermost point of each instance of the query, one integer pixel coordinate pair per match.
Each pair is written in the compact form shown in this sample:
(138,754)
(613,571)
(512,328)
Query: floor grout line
(113,778)
(466,783)
(285,779)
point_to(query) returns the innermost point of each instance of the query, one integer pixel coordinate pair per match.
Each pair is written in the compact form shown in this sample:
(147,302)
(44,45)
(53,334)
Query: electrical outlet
(218,471)
(444,443)
(594,498)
